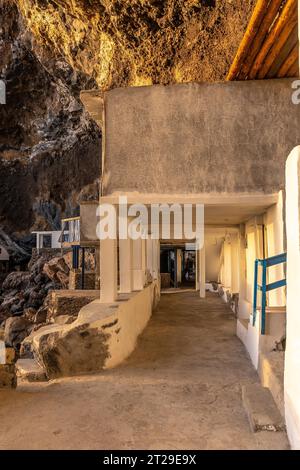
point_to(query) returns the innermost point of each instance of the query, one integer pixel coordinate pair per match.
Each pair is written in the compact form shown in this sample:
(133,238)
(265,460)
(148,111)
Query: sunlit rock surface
(139,42)
(50,50)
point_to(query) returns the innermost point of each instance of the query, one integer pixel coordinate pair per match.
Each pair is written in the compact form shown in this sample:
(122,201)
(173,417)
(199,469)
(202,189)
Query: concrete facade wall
(292,354)
(88,223)
(199,138)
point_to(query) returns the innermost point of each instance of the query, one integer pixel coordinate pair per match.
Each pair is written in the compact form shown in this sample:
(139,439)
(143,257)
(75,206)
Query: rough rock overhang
(270,46)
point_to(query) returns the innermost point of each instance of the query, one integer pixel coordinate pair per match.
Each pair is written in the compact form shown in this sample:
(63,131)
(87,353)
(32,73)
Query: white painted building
(48,239)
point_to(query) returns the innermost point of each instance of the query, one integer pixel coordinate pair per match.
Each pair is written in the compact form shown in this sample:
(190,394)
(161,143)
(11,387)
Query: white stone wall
(292,355)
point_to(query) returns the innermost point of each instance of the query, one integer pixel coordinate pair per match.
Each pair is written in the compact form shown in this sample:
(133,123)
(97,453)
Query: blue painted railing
(264,287)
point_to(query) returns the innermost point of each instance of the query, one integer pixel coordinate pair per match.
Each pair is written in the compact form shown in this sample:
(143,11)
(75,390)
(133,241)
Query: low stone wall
(69,302)
(7,367)
(90,279)
(101,338)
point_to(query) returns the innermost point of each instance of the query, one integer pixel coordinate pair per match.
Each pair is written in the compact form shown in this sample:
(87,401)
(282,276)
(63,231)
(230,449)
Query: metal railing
(264,287)
(70,232)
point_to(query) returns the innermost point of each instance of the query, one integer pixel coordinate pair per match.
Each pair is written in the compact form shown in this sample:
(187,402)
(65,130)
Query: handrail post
(264,297)
(255,291)
(265,263)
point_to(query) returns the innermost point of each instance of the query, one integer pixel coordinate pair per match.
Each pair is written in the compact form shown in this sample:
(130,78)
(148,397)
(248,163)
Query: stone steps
(261,409)
(30,371)
(264,417)
(271,372)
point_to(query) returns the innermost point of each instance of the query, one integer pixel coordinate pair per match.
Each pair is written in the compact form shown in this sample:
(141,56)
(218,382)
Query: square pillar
(108,270)
(155,262)
(138,275)
(144,259)
(149,257)
(125,263)
(179,265)
(202,278)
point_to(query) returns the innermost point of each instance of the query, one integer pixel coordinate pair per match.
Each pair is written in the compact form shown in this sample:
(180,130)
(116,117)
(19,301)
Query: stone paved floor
(180,389)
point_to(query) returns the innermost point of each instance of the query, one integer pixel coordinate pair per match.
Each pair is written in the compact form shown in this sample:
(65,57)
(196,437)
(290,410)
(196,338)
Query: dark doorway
(189,268)
(177,267)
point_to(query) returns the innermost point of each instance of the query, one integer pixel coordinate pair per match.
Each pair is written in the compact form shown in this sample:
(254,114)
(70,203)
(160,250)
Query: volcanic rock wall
(50,50)
(49,147)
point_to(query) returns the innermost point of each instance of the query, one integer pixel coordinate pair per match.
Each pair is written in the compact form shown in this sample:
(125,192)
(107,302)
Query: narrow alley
(180,389)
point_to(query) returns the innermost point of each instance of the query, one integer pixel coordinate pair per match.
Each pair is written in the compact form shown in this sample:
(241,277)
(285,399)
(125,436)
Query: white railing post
(126,268)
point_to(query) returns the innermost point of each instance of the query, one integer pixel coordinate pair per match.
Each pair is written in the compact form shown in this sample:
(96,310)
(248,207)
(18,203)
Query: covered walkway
(180,389)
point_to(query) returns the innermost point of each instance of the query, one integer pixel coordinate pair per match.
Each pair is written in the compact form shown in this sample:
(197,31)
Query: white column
(138,277)
(235,271)
(144,260)
(125,265)
(299,30)
(197,270)
(149,255)
(242,273)
(158,266)
(108,270)
(202,279)
(179,265)
(155,264)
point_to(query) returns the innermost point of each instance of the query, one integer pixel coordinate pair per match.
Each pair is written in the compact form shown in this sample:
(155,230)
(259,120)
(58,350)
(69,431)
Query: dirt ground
(180,389)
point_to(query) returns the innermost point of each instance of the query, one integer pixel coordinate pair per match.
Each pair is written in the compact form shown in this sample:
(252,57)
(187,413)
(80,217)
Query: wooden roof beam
(285,51)
(293,72)
(285,16)
(266,23)
(278,45)
(289,62)
(252,29)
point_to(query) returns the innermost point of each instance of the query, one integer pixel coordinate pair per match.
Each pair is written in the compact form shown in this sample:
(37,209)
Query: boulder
(63,278)
(8,302)
(37,266)
(16,280)
(50,271)
(69,349)
(64,319)
(54,266)
(7,376)
(36,298)
(40,279)
(17,308)
(16,330)
(41,315)
(11,305)
(68,302)
(29,313)
(51,286)
(30,371)
(62,265)
(23,294)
